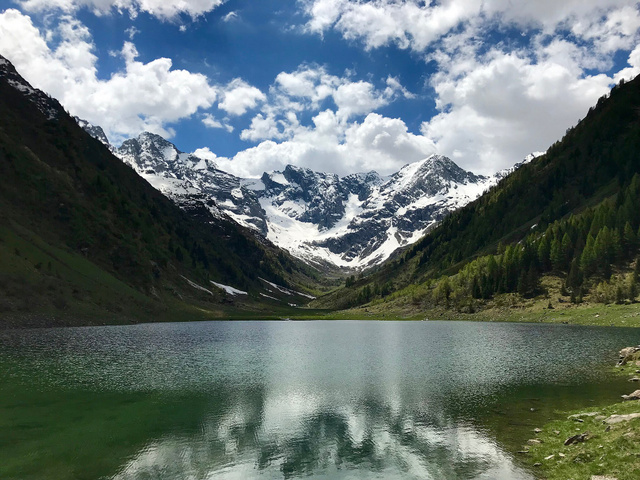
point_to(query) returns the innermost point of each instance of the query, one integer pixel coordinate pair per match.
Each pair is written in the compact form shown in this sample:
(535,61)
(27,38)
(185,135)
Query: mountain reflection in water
(441,400)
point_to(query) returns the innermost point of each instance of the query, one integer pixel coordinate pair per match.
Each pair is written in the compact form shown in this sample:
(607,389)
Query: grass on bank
(550,307)
(609,450)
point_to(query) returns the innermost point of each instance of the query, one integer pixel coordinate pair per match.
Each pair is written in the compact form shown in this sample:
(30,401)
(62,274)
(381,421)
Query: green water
(227,400)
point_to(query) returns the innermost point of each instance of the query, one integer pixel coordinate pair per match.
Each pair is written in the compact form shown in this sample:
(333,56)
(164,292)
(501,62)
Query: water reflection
(285,399)
(289,434)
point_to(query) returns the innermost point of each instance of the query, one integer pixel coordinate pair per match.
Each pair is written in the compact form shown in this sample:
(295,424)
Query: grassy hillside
(83,239)
(570,215)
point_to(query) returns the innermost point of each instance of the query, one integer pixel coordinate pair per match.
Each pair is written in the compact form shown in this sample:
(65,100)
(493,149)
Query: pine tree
(544,251)
(619,295)
(629,240)
(567,250)
(476,292)
(633,289)
(574,279)
(556,256)
(588,261)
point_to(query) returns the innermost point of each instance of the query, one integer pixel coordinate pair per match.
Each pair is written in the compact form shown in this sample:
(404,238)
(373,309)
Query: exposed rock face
(188,179)
(95,131)
(354,221)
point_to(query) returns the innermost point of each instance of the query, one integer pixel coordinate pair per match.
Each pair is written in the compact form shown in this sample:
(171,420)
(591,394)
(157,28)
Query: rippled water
(441,400)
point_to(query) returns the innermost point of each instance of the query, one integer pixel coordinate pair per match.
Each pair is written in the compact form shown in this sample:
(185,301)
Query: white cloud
(239,97)
(230,17)
(633,69)
(498,103)
(505,106)
(358,98)
(159,8)
(207,154)
(334,145)
(132,32)
(210,121)
(309,89)
(418,24)
(143,96)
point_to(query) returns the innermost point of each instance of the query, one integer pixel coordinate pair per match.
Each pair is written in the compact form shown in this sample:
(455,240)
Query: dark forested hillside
(572,212)
(81,232)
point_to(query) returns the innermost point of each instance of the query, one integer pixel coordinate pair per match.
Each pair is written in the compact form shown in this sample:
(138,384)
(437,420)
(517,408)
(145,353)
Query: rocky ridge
(351,222)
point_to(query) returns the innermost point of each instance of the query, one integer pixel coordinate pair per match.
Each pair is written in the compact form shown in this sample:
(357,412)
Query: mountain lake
(321,399)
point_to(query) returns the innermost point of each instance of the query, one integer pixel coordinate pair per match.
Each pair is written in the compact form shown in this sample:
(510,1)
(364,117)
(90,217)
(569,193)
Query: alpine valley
(349,223)
(85,240)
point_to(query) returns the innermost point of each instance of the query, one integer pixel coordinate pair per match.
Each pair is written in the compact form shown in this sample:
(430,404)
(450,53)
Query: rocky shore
(593,444)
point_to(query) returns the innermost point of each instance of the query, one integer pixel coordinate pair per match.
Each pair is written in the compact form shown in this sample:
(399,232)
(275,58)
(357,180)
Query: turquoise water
(441,400)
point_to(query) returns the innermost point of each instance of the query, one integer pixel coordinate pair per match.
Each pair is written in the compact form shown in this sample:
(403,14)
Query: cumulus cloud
(311,88)
(143,96)
(497,103)
(159,8)
(417,24)
(331,144)
(506,106)
(207,154)
(239,96)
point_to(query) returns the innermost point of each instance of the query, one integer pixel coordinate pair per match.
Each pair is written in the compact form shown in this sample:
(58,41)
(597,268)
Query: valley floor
(586,314)
(550,307)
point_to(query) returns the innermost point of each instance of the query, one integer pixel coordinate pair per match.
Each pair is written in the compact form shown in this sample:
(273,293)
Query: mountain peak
(355,221)
(95,131)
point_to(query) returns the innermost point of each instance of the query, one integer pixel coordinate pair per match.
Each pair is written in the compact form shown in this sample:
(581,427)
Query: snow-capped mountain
(353,222)
(186,179)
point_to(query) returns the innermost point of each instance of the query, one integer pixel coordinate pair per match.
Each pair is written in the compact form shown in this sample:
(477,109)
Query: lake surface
(345,400)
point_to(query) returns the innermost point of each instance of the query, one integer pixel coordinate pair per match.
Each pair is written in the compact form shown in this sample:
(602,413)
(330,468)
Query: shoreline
(597,315)
(592,443)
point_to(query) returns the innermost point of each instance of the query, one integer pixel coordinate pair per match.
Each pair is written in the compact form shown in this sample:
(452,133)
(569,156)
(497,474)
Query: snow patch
(228,289)
(196,286)
(269,296)
(285,290)
(279,178)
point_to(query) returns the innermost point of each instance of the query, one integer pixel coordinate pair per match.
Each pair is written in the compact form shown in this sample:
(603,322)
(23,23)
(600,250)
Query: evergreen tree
(476,292)
(574,279)
(629,239)
(556,256)
(588,261)
(544,252)
(567,250)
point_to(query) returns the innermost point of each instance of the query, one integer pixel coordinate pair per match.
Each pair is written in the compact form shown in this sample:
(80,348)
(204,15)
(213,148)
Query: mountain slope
(351,222)
(514,228)
(84,239)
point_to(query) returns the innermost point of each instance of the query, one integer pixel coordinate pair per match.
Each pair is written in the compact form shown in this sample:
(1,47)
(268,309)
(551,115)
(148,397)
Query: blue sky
(334,85)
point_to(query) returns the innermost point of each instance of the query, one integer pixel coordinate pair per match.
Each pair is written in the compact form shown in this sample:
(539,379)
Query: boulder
(627,351)
(581,437)
(579,416)
(613,419)
(632,396)
(627,354)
